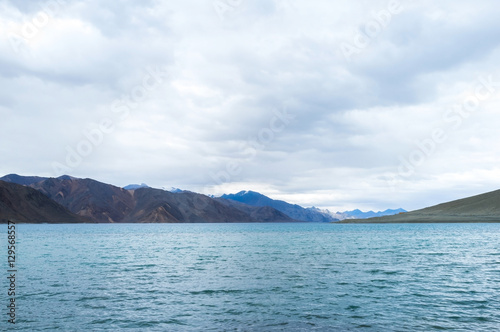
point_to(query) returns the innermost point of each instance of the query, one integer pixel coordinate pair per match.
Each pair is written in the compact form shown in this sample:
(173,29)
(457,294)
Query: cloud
(226,76)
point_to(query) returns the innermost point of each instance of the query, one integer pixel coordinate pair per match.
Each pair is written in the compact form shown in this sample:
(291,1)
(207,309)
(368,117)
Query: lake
(256,277)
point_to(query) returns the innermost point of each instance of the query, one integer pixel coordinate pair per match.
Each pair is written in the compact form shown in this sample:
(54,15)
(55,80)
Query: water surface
(258,277)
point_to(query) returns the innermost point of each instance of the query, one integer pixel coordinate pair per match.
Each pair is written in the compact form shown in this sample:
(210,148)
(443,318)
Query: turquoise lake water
(256,277)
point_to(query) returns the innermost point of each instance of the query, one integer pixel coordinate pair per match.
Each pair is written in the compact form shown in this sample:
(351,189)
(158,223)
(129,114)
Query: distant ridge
(22,180)
(479,208)
(135,186)
(358,214)
(292,210)
(29,180)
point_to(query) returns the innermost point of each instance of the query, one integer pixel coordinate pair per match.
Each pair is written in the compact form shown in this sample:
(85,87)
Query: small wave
(216,291)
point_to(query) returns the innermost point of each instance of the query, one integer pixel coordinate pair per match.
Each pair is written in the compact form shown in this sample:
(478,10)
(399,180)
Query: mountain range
(85,200)
(70,199)
(310,214)
(358,214)
(67,199)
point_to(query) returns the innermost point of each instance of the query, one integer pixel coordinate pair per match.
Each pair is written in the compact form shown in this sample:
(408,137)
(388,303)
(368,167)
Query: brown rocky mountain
(155,205)
(27,205)
(86,197)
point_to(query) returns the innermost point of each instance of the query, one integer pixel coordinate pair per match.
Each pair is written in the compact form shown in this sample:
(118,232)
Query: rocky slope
(86,197)
(27,205)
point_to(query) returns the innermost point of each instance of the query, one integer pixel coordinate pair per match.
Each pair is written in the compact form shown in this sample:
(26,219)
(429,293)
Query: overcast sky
(337,104)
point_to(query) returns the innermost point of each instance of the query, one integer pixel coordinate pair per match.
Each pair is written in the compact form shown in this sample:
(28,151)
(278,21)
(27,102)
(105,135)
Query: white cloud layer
(338,104)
